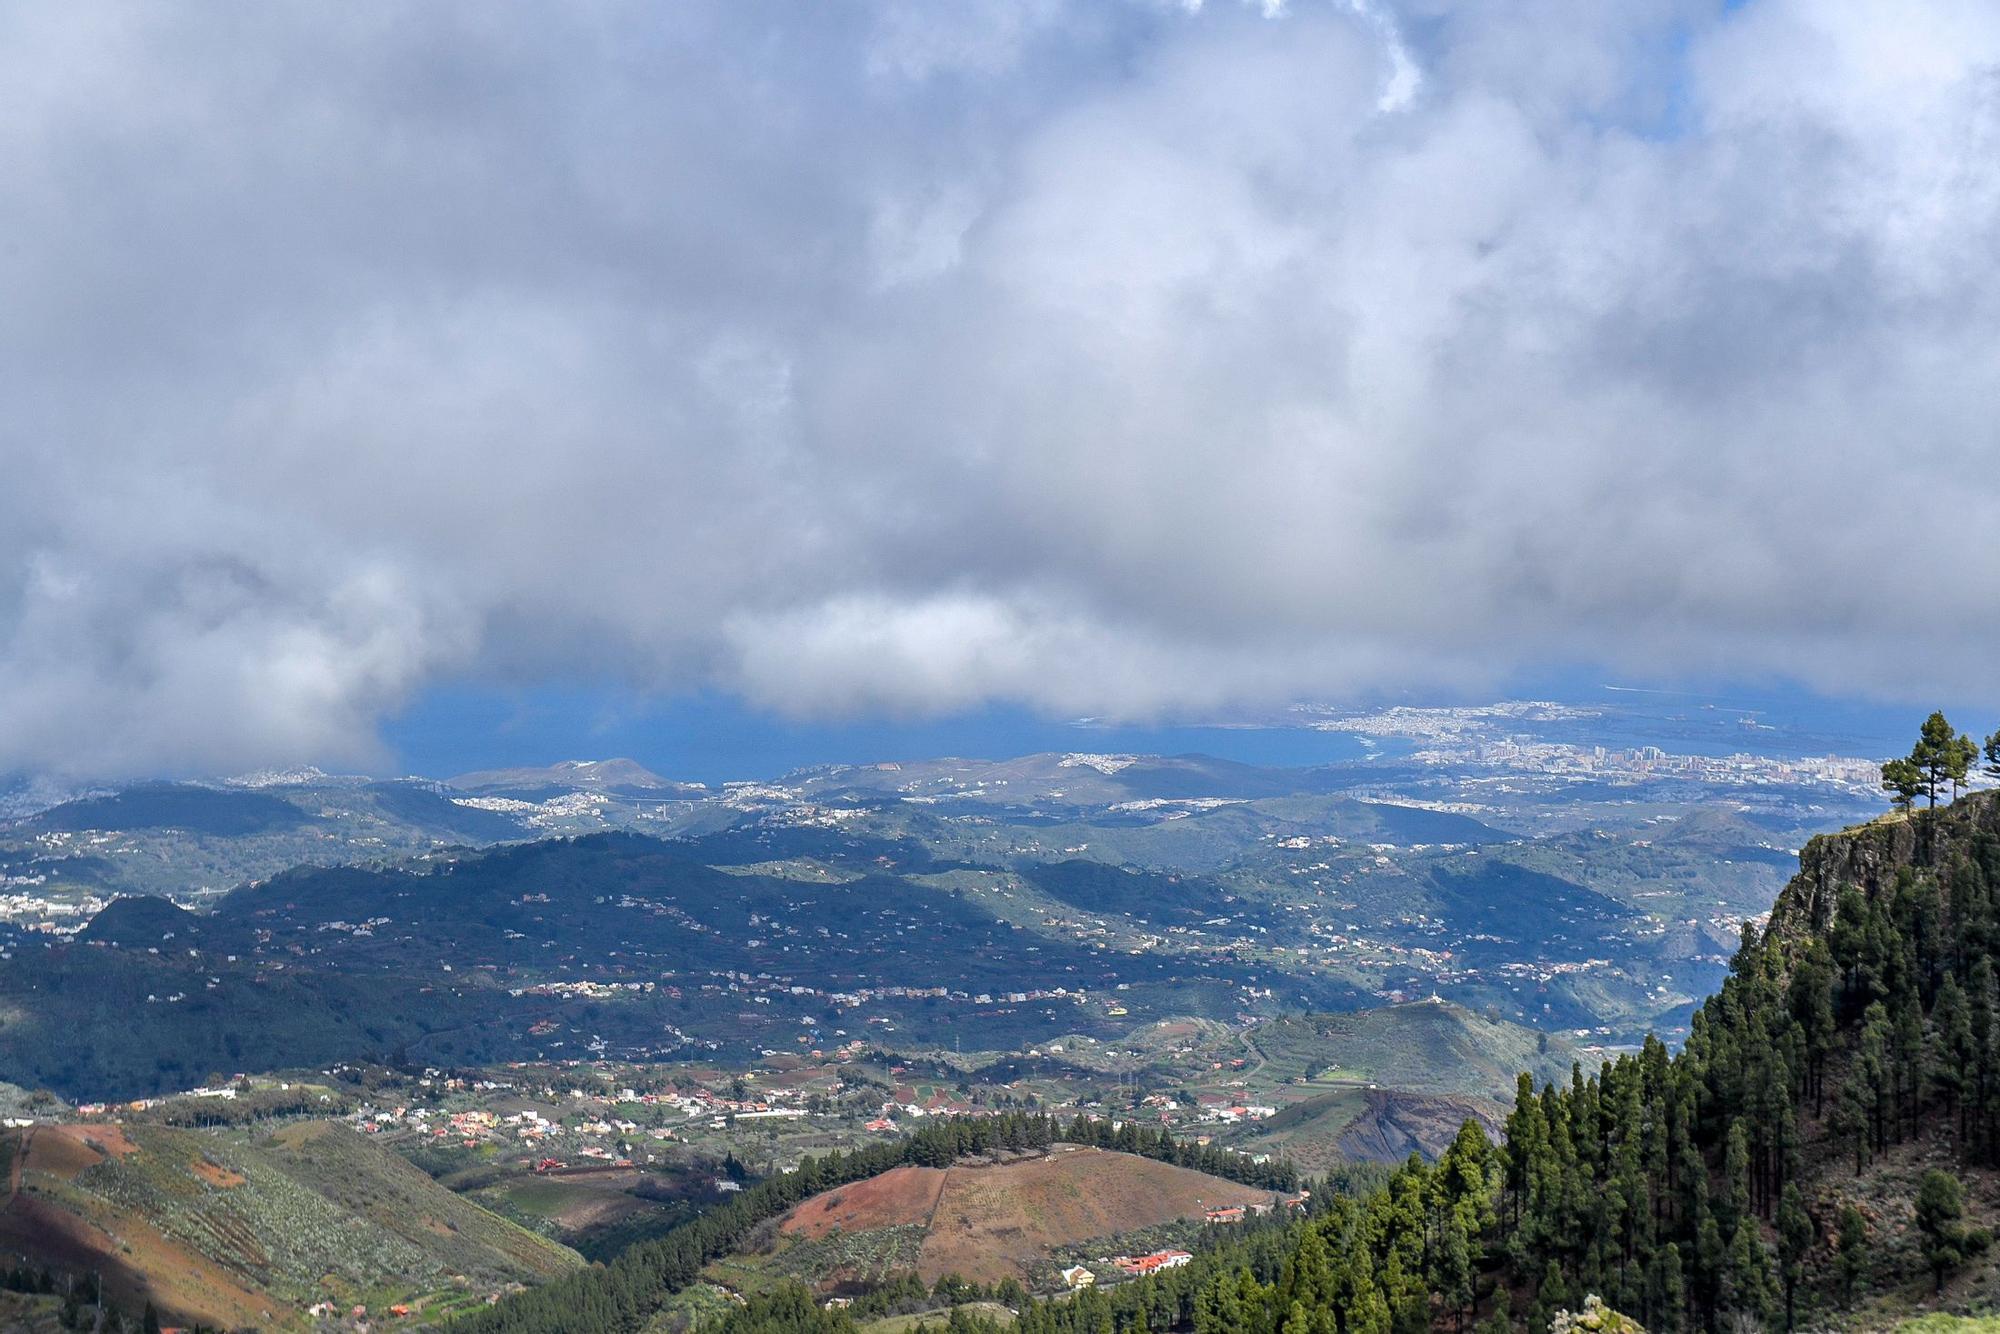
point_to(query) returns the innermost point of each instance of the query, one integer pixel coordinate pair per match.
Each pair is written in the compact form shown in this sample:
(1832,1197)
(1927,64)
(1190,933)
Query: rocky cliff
(1869,856)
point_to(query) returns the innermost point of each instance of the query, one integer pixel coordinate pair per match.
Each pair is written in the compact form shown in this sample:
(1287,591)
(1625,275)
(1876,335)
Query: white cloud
(1114,359)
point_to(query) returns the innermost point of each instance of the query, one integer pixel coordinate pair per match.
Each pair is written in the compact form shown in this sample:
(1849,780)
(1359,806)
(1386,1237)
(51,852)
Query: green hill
(1329,1131)
(235,1230)
(184,806)
(1429,1046)
(468,957)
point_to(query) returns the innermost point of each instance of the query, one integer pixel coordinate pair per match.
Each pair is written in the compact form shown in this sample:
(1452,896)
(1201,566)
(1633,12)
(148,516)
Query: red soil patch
(986,1223)
(215,1174)
(897,1198)
(60,1151)
(992,1222)
(109,1140)
(139,1263)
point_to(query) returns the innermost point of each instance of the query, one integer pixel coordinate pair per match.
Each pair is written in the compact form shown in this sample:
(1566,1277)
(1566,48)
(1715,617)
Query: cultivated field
(986,1222)
(233,1229)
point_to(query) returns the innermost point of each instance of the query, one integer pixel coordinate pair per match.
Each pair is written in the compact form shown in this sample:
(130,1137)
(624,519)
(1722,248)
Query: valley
(589,1008)
(1014,667)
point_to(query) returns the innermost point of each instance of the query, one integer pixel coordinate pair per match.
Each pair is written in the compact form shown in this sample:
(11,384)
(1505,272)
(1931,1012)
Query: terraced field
(235,1230)
(597,1212)
(983,1222)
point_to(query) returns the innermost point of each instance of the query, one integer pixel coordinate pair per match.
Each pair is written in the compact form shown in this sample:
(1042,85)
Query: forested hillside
(1739,1183)
(623,1294)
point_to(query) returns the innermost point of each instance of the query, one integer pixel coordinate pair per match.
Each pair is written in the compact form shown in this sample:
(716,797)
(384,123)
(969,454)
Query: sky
(885,364)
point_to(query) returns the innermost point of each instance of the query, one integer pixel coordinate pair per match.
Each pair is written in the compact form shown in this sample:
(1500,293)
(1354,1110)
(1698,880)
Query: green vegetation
(1948,1242)
(1596,1318)
(624,1293)
(974,1315)
(1673,1186)
(1428,1045)
(538,951)
(216,1226)
(1772,1171)
(1942,757)
(867,1258)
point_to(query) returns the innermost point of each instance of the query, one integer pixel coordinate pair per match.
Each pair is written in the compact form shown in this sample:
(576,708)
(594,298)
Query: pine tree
(1215,1308)
(1552,1296)
(1937,755)
(1965,759)
(1906,1043)
(1983,1014)
(1940,1212)
(1666,1293)
(1736,1173)
(1795,1237)
(1872,1073)
(1812,1007)
(1747,1284)
(1852,1257)
(1453,1274)
(1308,1278)
(1368,1312)
(1904,781)
(1709,1261)
(1950,1060)
(1527,1144)
(1958,762)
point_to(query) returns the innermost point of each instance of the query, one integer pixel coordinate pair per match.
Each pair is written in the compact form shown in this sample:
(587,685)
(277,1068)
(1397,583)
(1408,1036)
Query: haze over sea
(713,738)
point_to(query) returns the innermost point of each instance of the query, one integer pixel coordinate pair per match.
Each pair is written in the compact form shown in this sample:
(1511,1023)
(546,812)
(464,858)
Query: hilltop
(618,777)
(196,840)
(240,1230)
(1952,844)
(984,1221)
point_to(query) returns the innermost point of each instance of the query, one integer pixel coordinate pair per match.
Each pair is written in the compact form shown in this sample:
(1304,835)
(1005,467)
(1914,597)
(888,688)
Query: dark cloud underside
(899,357)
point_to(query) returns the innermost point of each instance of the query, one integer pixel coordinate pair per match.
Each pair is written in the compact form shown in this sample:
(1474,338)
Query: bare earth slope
(989,1222)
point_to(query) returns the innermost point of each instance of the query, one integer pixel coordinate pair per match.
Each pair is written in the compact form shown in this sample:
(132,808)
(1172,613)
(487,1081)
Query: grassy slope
(234,1231)
(388,1192)
(904,1324)
(1426,1046)
(22,1313)
(1367,1125)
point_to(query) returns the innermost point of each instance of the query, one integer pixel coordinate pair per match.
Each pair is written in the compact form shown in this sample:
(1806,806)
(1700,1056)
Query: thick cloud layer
(1110,357)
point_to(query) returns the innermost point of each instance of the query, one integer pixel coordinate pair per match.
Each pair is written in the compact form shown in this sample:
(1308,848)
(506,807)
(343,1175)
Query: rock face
(1869,856)
(1595,1316)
